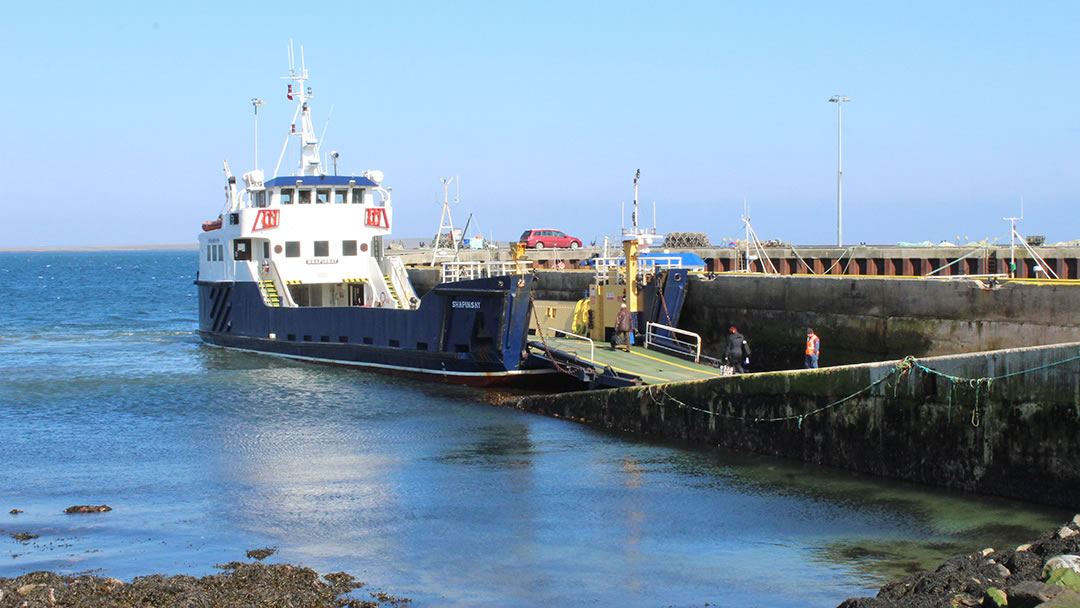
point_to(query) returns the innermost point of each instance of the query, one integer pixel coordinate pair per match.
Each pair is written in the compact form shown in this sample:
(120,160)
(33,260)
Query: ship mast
(309,144)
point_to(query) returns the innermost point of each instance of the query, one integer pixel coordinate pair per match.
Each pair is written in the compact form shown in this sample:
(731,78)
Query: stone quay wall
(1002,423)
(862,319)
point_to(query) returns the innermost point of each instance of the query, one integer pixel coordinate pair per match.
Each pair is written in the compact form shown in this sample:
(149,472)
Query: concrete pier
(1005,422)
(856,260)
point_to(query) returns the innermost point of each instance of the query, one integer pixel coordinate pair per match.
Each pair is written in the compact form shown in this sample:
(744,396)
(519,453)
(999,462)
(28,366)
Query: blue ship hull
(469,332)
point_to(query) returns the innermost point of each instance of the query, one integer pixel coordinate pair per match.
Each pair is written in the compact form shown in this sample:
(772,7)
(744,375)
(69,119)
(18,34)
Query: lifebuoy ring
(266,266)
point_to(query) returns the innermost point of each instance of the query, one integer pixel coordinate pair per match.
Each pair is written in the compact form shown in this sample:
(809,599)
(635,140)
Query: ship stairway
(270,293)
(393,292)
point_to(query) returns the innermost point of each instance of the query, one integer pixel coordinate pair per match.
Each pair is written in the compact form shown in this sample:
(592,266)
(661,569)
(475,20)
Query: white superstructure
(307,239)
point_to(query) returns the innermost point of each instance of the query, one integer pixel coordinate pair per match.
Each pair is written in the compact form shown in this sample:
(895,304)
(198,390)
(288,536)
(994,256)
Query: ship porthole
(277,248)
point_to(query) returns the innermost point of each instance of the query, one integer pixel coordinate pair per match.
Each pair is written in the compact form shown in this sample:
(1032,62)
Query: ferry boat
(294,266)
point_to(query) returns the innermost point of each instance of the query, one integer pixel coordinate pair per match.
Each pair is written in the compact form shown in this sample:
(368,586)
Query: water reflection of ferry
(294,266)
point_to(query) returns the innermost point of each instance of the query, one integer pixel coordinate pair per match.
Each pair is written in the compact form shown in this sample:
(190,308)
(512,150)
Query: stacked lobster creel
(685,240)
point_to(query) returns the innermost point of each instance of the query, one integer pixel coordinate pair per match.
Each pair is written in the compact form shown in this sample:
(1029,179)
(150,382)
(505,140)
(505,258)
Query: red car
(539,239)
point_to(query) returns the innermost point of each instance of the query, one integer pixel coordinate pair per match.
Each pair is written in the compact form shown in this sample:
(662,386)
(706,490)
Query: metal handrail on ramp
(592,345)
(693,347)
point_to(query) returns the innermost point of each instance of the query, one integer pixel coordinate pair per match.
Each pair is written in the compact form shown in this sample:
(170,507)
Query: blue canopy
(318,180)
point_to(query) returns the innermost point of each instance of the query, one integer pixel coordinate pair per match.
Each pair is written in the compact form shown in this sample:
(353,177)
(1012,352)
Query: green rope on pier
(900,371)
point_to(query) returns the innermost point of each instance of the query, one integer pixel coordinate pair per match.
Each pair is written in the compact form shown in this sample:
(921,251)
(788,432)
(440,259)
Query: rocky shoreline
(1024,577)
(239,584)
(1044,573)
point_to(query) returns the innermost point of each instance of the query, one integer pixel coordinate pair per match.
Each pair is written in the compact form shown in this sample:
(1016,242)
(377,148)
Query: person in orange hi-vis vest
(813,347)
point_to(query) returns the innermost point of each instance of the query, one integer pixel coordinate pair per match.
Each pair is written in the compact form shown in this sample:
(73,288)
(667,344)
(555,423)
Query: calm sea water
(422,490)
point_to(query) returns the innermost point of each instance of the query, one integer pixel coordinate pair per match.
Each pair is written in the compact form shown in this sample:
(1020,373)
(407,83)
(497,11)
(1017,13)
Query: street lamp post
(255,101)
(839,100)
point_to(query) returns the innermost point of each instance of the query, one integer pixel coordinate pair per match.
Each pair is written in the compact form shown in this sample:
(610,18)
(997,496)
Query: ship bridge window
(305,196)
(348,248)
(260,198)
(339,197)
(242,249)
(292,249)
(322,249)
(286,196)
(322,196)
(358,196)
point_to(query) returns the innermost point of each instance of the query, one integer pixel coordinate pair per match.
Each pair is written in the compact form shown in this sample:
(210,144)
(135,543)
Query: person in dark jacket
(624,324)
(738,351)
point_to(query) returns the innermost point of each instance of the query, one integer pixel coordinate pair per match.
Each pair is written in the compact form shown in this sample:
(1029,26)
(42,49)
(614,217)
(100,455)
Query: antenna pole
(255,101)
(633,216)
(746,224)
(839,100)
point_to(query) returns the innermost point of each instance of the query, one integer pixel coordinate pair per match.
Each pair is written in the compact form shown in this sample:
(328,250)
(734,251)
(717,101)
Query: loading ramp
(600,366)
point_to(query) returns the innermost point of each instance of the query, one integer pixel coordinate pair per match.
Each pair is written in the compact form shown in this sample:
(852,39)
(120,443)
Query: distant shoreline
(174,247)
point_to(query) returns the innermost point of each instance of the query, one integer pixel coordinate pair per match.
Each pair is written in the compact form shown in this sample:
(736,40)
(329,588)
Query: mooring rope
(980,386)
(800,258)
(540,332)
(834,264)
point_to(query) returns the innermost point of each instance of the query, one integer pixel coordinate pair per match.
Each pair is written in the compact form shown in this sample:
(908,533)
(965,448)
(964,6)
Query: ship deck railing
(465,271)
(646,265)
(400,282)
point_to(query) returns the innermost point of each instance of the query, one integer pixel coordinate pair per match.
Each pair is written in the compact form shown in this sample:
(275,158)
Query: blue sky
(118,115)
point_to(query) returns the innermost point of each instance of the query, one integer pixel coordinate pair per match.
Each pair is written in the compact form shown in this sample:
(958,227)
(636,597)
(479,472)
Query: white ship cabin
(307,240)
